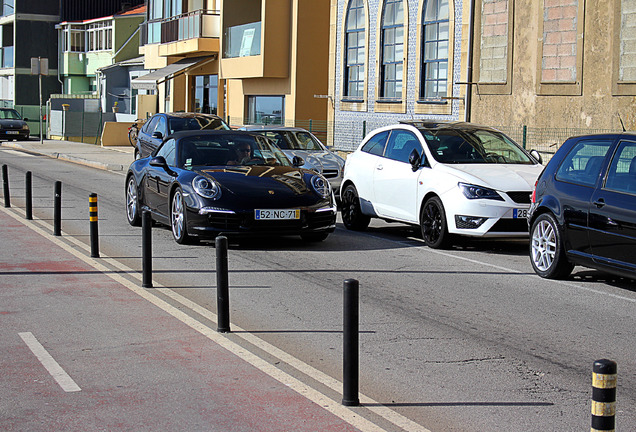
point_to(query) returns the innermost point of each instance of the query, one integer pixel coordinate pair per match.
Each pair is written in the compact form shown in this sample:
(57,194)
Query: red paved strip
(138,367)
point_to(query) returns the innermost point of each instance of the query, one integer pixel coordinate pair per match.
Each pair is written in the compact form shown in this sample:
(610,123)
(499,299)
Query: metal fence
(347,135)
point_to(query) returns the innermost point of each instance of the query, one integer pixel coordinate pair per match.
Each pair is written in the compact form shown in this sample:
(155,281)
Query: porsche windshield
(230,149)
(469,146)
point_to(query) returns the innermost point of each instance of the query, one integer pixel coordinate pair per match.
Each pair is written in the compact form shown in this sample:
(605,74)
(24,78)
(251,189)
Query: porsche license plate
(276,214)
(519,213)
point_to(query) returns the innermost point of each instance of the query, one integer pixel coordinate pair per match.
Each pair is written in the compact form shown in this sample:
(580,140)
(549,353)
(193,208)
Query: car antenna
(621,120)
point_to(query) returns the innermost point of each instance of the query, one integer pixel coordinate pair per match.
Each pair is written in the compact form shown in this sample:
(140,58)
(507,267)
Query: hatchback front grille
(522,197)
(510,225)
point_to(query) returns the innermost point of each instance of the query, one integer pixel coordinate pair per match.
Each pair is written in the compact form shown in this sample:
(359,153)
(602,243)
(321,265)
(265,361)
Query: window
(584,162)
(435,34)
(392,50)
(622,173)
(265,109)
(74,39)
(354,51)
(100,36)
(168,152)
(206,94)
(376,143)
(401,144)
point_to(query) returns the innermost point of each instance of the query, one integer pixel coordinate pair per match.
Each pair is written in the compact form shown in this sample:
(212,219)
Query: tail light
(534,192)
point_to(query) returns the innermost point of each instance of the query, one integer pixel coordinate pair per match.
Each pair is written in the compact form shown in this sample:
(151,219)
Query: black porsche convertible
(206,183)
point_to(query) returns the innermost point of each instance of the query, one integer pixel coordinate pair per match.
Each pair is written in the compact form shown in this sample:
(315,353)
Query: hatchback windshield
(230,149)
(9,114)
(467,146)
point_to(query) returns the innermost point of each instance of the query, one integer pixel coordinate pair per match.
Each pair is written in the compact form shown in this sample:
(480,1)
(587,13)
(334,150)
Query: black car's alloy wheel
(178,217)
(433,224)
(132,202)
(546,249)
(352,215)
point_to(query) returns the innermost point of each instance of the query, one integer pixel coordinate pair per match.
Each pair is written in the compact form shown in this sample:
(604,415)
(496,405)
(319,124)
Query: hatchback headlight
(206,187)
(25,127)
(479,192)
(321,186)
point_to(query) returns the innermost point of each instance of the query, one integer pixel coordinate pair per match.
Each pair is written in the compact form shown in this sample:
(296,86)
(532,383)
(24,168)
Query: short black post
(94,228)
(604,395)
(146,249)
(5,183)
(29,195)
(222,286)
(351,343)
(57,209)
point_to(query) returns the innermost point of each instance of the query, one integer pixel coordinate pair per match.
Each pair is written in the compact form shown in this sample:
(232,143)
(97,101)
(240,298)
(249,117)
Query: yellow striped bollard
(92,212)
(603,396)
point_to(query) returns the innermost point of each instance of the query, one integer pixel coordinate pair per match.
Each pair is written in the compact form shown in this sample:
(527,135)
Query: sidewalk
(107,158)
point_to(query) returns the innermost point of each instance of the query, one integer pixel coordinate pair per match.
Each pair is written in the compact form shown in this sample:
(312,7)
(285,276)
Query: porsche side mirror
(535,154)
(297,161)
(160,162)
(157,135)
(415,160)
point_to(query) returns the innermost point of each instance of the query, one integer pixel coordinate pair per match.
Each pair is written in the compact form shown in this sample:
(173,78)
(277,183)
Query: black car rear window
(582,165)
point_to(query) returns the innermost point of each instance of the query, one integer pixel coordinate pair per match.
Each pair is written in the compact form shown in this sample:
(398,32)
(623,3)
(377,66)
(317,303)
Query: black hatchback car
(12,125)
(583,208)
(160,125)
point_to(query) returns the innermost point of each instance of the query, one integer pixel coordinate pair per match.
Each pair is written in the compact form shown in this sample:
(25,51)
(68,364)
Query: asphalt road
(467,339)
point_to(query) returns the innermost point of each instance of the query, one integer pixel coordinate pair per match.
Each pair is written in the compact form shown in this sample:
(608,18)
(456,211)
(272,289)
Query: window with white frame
(354,51)
(392,50)
(435,34)
(74,38)
(100,36)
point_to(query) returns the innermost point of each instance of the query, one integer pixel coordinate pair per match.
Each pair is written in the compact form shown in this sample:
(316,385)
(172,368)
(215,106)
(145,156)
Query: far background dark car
(160,125)
(583,208)
(13,126)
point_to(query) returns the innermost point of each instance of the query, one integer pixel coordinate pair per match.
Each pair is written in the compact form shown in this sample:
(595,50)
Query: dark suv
(159,126)
(584,208)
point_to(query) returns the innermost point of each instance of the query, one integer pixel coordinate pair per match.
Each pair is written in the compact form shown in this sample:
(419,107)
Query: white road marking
(82,252)
(56,371)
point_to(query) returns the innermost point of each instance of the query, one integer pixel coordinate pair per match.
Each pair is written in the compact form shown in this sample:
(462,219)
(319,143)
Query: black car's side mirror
(535,154)
(160,162)
(415,159)
(297,161)
(26,119)
(157,135)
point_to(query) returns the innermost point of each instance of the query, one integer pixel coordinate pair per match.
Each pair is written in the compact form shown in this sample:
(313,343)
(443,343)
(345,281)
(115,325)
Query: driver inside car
(243,154)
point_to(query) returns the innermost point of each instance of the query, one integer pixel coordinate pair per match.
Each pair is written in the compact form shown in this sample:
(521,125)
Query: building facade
(396,59)
(250,61)
(557,67)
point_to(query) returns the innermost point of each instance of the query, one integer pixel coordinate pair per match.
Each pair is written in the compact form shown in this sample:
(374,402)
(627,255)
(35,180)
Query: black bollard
(5,183)
(94,229)
(146,249)
(29,195)
(351,343)
(604,395)
(222,286)
(57,210)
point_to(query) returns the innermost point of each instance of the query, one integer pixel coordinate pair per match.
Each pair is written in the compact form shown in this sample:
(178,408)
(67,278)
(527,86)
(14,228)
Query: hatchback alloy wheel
(352,215)
(433,224)
(546,249)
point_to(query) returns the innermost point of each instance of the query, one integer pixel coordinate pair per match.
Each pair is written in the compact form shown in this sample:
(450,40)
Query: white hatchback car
(448,178)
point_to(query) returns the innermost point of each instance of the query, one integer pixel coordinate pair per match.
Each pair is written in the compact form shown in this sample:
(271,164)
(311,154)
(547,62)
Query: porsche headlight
(206,187)
(321,186)
(25,127)
(479,192)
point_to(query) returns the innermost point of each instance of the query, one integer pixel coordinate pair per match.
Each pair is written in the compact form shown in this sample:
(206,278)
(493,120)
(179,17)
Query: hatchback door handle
(379,167)
(599,203)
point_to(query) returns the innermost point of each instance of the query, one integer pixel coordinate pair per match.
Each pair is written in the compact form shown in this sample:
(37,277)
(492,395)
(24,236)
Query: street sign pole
(39,67)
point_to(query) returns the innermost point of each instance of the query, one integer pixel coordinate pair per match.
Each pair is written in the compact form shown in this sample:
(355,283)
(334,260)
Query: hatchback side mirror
(415,159)
(535,154)
(157,135)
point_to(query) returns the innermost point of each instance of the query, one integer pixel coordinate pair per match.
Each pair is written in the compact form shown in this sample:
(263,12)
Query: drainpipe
(469,77)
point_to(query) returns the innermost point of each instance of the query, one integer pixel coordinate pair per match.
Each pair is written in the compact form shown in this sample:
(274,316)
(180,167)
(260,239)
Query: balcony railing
(190,25)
